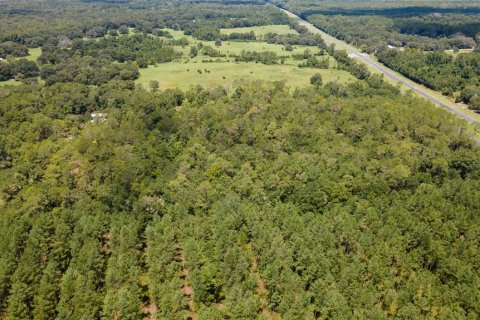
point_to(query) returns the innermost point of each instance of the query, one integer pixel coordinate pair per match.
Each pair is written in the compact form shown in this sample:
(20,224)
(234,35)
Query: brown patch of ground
(150,311)
(262,293)
(186,288)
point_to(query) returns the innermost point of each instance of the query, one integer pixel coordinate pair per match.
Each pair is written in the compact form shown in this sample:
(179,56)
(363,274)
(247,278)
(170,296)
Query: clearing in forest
(262,30)
(211,74)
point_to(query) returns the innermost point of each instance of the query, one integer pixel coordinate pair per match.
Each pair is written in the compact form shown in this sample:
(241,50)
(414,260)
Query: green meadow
(236,47)
(10,83)
(211,74)
(260,31)
(34,53)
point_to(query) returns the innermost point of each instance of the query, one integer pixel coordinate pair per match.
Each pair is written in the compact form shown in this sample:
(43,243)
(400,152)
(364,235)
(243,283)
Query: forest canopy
(334,192)
(334,200)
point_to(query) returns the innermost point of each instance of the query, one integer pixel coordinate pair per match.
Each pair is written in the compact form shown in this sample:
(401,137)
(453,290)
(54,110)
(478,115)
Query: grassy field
(10,83)
(34,53)
(453,53)
(262,30)
(186,75)
(234,47)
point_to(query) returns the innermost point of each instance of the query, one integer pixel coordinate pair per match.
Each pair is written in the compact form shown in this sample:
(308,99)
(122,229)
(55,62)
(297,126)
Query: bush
(316,80)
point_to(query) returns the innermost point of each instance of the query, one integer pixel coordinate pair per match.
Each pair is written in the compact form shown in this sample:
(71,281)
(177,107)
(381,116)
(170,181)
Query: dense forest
(48,22)
(343,202)
(259,201)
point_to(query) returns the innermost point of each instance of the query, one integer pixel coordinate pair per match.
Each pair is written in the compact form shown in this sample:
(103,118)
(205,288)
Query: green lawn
(262,30)
(33,54)
(185,75)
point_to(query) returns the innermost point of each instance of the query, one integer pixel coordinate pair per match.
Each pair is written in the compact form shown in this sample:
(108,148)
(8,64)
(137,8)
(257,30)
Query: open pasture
(211,74)
(262,30)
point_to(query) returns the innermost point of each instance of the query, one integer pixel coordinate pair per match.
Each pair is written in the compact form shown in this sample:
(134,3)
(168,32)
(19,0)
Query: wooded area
(260,201)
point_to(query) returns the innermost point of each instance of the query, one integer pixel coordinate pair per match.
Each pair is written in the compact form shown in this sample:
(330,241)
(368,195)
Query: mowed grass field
(260,31)
(226,74)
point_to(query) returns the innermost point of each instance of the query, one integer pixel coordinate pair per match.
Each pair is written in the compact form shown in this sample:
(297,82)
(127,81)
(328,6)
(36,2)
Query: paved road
(353,52)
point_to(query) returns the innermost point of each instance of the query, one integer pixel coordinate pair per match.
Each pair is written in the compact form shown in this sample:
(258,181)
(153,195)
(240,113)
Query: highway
(387,72)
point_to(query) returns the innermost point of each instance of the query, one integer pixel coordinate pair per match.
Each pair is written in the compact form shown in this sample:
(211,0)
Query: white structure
(97,117)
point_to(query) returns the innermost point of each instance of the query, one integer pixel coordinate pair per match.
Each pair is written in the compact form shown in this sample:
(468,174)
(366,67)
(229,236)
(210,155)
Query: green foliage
(87,70)
(306,39)
(10,48)
(439,71)
(122,297)
(265,57)
(209,51)
(21,68)
(316,80)
(314,62)
(220,200)
(373,25)
(332,201)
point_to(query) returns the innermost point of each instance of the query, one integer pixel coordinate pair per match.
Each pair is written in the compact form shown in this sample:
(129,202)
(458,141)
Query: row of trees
(314,62)
(305,39)
(265,57)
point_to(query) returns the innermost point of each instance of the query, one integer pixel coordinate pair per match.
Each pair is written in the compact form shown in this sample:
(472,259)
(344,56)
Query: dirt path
(263,293)
(187,290)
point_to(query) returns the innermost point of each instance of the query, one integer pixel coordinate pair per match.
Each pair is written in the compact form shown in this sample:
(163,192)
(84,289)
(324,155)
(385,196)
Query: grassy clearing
(262,30)
(177,34)
(34,53)
(10,83)
(453,53)
(234,47)
(186,75)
